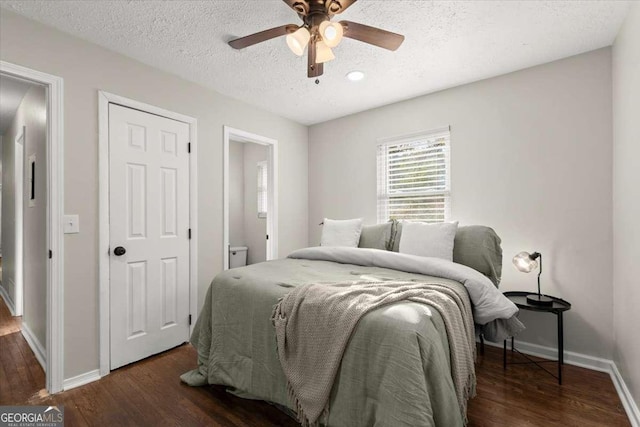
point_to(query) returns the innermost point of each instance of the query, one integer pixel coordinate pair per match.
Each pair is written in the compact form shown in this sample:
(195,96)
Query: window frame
(383,194)
(262,171)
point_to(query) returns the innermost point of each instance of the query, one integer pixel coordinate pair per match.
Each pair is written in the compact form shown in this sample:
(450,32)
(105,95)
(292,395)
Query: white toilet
(237,256)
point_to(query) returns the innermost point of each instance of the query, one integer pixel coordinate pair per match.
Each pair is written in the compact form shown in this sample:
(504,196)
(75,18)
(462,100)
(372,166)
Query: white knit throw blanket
(314,322)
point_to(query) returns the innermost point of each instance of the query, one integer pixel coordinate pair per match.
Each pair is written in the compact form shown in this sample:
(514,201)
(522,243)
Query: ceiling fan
(320,34)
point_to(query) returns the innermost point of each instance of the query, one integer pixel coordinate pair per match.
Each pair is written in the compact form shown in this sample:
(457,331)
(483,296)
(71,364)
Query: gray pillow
(376,236)
(475,246)
(478,247)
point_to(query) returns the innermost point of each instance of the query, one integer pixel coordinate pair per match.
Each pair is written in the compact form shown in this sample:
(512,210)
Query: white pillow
(428,240)
(341,232)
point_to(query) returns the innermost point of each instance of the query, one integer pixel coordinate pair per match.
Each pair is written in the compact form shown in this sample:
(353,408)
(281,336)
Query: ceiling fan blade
(262,36)
(301,7)
(313,69)
(338,6)
(372,35)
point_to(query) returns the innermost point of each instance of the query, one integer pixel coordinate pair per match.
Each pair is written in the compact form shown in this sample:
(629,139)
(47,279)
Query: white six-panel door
(149,222)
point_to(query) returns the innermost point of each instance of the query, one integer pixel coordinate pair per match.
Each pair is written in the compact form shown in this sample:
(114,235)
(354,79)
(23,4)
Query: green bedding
(395,371)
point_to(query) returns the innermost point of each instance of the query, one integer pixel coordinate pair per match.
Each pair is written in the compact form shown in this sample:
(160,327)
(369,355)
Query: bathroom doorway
(250,191)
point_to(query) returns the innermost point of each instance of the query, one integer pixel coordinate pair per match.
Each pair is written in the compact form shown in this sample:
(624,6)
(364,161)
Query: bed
(396,368)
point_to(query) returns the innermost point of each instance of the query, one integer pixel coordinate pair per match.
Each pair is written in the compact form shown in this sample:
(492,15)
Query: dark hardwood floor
(524,395)
(21,376)
(149,393)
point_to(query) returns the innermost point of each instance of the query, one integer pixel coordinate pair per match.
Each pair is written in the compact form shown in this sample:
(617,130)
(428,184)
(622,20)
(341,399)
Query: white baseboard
(36,346)
(588,362)
(570,357)
(7,300)
(81,379)
(630,406)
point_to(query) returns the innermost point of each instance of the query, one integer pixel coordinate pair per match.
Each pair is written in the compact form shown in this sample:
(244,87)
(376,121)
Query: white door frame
(18,200)
(104,99)
(272,190)
(54,362)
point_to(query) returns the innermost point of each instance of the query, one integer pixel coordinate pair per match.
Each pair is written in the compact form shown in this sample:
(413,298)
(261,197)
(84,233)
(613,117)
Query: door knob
(119,251)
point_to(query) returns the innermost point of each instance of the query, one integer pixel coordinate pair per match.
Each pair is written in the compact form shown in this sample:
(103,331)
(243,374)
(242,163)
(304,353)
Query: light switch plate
(71,224)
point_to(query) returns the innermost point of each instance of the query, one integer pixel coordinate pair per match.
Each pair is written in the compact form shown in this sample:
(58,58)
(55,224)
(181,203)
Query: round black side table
(559,306)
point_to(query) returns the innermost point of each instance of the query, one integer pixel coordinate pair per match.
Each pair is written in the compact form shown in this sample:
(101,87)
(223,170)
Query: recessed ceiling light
(355,76)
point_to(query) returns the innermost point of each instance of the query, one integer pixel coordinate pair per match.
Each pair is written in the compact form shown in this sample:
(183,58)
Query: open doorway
(31,314)
(23,287)
(248,197)
(250,205)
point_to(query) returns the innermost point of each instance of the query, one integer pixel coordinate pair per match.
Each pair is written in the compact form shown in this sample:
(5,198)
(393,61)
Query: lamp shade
(323,53)
(331,33)
(526,262)
(298,40)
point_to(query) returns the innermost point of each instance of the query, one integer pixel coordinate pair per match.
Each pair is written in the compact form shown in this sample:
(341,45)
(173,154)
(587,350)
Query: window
(263,179)
(413,178)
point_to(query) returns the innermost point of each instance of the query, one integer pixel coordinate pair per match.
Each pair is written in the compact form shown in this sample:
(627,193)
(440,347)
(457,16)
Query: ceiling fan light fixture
(318,35)
(298,40)
(323,53)
(331,33)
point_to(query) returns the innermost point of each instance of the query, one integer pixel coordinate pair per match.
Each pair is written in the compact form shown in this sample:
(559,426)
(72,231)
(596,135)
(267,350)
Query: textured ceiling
(447,43)
(11,93)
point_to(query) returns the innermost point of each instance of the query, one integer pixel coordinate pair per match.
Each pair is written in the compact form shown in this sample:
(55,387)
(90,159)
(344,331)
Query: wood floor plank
(16,369)
(8,323)
(124,385)
(5,390)
(34,371)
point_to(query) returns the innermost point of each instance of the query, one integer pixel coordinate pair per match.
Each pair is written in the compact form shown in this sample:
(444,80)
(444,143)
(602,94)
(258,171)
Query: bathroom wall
(255,229)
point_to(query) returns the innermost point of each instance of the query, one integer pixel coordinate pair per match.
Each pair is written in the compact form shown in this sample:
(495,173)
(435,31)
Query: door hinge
(189,234)
(189,320)
(50,254)
(188,147)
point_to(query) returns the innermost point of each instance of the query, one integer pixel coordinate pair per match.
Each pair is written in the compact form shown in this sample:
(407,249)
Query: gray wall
(255,229)
(236,193)
(531,157)
(626,200)
(87,68)
(32,115)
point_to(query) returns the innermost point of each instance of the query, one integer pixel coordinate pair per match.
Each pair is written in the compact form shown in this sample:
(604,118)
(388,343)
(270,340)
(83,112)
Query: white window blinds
(414,179)
(263,178)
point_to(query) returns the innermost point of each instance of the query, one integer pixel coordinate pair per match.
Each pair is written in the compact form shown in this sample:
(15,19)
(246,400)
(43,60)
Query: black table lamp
(526,262)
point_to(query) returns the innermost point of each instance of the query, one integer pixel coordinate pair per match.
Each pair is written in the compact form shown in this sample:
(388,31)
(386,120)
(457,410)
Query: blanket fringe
(304,421)
(300,414)
(469,392)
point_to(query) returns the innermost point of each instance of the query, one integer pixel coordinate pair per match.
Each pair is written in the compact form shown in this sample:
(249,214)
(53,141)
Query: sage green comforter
(395,371)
